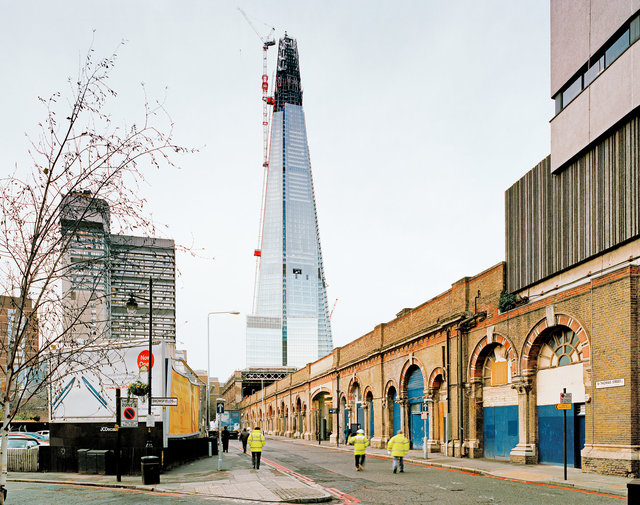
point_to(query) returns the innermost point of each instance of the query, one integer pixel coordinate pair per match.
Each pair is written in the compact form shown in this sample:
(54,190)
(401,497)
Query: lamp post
(132,306)
(233,313)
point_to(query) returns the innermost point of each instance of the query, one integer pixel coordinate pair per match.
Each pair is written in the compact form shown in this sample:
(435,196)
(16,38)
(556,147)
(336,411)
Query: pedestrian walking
(398,447)
(256,443)
(360,444)
(225,439)
(244,435)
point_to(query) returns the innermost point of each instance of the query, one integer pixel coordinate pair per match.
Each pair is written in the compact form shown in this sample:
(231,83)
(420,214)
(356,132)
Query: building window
(496,367)
(560,349)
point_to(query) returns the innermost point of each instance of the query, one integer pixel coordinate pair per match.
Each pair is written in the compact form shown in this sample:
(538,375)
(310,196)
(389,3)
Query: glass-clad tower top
(290,326)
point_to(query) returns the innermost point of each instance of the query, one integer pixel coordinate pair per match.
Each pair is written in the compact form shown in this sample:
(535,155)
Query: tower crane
(267,41)
(333,308)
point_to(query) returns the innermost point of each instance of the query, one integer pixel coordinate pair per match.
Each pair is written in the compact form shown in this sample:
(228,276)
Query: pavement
(274,484)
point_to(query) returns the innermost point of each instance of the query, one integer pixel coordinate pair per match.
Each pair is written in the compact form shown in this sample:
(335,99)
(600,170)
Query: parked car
(23,443)
(30,436)
(43,433)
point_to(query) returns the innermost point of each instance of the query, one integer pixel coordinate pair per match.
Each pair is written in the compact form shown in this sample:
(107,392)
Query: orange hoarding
(183,419)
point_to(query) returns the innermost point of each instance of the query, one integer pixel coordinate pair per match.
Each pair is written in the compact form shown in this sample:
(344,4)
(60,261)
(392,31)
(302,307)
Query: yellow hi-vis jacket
(359,442)
(256,441)
(398,446)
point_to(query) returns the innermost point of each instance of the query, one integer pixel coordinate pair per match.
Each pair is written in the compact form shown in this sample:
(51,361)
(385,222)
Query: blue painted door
(396,415)
(346,423)
(415,393)
(360,415)
(550,435)
(579,427)
(371,420)
(500,431)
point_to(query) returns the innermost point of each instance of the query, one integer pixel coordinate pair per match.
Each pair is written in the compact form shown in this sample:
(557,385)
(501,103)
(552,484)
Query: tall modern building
(290,325)
(104,269)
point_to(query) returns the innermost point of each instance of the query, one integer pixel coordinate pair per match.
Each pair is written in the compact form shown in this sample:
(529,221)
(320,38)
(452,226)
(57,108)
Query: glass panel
(564,360)
(593,71)
(558,100)
(635,30)
(617,48)
(572,91)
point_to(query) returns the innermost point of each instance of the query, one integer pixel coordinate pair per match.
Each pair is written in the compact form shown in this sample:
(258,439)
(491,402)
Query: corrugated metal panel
(556,221)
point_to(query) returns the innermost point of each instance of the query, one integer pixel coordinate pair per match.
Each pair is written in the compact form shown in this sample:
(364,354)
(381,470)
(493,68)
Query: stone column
(434,436)
(525,452)
(474,431)
(404,414)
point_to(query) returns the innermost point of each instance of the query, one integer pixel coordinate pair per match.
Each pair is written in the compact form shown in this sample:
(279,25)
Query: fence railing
(22,460)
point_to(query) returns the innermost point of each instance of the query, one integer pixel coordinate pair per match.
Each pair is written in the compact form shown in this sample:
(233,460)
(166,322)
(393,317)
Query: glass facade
(291,324)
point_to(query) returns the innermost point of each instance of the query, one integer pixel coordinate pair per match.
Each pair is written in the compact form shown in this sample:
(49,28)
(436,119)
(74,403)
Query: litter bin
(82,460)
(633,491)
(214,445)
(101,462)
(150,469)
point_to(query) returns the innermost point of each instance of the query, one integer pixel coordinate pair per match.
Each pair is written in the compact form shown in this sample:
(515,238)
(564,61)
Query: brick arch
(366,391)
(403,375)
(319,392)
(479,353)
(434,382)
(536,337)
(390,384)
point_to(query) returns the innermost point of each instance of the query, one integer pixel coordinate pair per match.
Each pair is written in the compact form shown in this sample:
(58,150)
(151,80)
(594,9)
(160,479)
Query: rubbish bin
(150,469)
(633,491)
(214,445)
(82,460)
(101,462)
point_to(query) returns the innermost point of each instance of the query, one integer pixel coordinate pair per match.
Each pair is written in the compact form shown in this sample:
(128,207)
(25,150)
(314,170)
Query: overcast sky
(420,114)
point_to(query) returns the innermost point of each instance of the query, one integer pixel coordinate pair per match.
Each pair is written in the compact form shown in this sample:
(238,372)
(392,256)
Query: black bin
(633,491)
(101,461)
(82,460)
(214,445)
(150,469)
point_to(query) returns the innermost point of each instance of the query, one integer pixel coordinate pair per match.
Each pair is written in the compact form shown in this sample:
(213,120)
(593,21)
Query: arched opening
(356,402)
(297,421)
(560,365)
(393,411)
(344,408)
(322,421)
(370,414)
(414,384)
(499,403)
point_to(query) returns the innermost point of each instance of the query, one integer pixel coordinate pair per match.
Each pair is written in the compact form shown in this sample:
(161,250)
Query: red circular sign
(143,359)
(129,413)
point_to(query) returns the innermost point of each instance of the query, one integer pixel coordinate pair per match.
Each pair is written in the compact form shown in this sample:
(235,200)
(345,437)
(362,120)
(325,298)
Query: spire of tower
(288,88)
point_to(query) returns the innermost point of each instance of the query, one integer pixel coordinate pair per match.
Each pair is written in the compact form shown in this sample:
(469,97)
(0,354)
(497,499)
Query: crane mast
(267,42)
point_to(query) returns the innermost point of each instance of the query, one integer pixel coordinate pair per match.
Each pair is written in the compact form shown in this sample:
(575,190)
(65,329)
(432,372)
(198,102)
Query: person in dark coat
(244,436)
(225,439)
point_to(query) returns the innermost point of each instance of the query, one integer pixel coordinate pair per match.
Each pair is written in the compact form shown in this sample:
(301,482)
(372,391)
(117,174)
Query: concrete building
(492,356)
(105,269)
(290,323)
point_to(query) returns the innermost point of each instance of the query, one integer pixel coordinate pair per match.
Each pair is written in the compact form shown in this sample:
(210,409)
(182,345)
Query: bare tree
(80,163)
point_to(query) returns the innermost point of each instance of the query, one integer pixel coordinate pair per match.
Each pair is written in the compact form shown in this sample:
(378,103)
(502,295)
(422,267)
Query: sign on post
(220,407)
(563,406)
(565,398)
(164,401)
(333,411)
(129,413)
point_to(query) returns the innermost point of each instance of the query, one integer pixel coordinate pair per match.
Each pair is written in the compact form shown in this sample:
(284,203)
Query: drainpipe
(463,328)
(448,420)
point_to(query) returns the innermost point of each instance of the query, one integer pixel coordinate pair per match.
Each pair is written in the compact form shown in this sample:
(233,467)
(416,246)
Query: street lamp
(233,313)
(132,307)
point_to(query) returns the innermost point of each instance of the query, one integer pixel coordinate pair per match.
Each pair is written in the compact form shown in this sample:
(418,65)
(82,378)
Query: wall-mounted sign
(611,383)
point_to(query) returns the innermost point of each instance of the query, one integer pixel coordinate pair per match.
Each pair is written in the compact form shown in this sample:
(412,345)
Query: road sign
(424,407)
(164,401)
(333,411)
(220,408)
(424,415)
(129,413)
(563,406)
(565,398)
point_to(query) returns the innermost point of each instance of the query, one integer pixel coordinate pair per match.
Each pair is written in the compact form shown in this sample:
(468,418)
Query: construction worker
(256,443)
(398,447)
(360,443)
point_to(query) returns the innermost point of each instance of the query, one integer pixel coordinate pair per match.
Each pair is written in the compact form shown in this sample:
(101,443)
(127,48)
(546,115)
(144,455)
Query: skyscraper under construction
(290,322)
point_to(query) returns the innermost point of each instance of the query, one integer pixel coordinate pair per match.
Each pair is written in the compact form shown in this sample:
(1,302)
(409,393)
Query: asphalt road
(418,484)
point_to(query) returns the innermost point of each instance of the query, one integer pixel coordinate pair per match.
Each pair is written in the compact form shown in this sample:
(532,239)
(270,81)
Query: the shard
(290,325)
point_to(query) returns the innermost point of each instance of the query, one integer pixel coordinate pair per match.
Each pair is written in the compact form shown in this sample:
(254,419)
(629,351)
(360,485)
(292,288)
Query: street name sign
(164,401)
(563,406)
